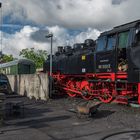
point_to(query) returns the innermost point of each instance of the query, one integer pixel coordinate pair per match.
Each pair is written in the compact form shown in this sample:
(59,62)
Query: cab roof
(120,28)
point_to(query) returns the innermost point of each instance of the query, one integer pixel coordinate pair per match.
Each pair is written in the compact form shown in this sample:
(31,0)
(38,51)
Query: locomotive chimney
(67,48)
(60,49)
(77,46)
(89,43)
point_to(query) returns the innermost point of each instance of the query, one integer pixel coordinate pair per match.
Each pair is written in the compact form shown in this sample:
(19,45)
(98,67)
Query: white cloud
(100,14)
(90,33)
(60,15)
(14,43)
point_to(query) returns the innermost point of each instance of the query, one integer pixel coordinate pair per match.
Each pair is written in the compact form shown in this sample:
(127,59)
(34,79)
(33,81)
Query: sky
(25,23)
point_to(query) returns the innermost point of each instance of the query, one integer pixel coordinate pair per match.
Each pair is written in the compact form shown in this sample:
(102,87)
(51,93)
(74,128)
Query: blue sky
(70,21)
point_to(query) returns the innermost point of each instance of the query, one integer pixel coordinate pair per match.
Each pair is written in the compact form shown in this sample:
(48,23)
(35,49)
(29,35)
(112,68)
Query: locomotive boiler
(107,69)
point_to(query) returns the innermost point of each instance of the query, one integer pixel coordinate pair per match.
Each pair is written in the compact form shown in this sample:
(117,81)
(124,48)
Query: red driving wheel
(70,85)
(105,94)
(85,90)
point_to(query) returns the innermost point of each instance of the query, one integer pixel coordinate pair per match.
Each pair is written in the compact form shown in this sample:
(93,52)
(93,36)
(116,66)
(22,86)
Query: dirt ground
(54,120)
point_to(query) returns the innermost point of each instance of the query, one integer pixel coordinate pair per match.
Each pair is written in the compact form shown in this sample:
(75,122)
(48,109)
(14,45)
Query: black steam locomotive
(107,69)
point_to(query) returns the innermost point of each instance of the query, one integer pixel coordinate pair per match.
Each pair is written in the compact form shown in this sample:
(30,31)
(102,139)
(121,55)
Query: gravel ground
(52,120)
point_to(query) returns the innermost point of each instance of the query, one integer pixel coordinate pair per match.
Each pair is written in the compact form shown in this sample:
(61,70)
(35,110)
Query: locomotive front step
(121,100)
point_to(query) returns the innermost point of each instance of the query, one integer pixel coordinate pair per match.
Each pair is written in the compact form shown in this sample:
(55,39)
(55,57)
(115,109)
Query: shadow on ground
(37,114)
(103,114)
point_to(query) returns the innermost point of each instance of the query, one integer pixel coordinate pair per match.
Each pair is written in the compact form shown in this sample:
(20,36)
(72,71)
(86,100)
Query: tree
(38,56)
(6,58)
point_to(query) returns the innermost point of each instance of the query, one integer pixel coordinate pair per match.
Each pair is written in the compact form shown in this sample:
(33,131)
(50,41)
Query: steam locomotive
(107,69)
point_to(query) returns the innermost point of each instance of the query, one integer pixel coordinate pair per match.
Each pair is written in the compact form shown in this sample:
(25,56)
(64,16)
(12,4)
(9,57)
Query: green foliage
(38,56)
(7,58)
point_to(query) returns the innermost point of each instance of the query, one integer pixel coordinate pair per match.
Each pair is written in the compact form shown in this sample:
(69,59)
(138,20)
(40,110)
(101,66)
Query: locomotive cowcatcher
(107,69)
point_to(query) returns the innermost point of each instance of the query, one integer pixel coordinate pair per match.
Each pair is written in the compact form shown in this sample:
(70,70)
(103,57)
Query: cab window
(101,43)
(111,42)
(123,37)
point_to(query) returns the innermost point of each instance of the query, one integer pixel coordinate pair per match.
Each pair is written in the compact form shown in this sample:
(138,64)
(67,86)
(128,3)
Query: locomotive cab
(122,62)
(105,52)
(118,50)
